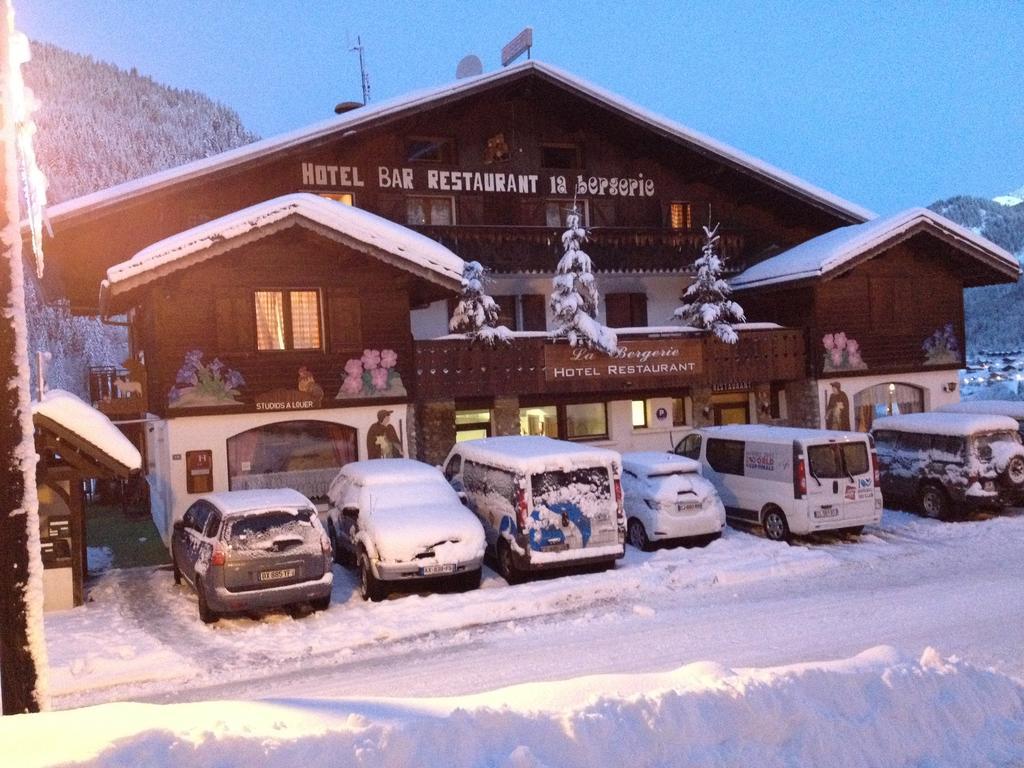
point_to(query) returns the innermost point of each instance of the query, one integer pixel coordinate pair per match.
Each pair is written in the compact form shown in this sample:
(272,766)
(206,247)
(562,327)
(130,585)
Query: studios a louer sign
(641,359)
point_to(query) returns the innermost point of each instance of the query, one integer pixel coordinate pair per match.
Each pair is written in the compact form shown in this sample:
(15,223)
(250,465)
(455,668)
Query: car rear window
(837,460)
(591,483)
(855,456)
(256,531)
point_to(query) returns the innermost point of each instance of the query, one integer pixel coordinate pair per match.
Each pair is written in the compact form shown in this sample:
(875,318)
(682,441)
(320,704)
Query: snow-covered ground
(905,647)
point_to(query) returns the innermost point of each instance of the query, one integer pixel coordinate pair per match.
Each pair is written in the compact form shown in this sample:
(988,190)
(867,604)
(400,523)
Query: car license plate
(826,512)
(689,507)
(437,570)
(281,573)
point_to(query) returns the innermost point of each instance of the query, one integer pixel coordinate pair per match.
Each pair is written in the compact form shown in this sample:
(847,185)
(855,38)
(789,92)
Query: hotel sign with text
(636,360)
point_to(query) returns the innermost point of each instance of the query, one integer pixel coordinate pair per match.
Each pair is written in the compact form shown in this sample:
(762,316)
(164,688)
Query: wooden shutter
(234,323)
(346,324)
(535,316)
(625,310)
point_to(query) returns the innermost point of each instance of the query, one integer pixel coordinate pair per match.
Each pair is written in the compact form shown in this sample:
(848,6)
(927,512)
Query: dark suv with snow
(250,550)
(950,463)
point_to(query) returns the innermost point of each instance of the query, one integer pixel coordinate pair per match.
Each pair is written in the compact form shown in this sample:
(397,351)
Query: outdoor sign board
(638,360)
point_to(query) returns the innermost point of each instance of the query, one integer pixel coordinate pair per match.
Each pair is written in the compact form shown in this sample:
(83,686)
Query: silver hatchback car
(249,550)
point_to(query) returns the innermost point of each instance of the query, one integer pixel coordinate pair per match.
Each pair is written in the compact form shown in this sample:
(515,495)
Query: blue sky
(889,105)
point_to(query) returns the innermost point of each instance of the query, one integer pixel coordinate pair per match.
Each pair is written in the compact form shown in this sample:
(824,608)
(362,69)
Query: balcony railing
(454,368)
(510,248)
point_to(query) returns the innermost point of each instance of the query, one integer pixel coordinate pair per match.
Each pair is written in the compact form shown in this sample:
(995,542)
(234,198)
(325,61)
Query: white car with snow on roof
(544,503)
(400,523)
(1012,408)
(666,499)
(949,463)
(788,480)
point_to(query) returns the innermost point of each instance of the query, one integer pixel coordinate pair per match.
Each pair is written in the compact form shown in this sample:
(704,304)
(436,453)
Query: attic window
(288,320)
(430,150)
(561,156)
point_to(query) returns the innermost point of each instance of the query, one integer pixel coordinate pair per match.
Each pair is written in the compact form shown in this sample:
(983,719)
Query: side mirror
(350,511)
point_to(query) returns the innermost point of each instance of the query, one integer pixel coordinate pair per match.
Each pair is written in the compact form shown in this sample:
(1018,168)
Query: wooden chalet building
(288,300)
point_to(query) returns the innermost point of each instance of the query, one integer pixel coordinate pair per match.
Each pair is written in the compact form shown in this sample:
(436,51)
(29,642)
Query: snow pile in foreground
(878,708)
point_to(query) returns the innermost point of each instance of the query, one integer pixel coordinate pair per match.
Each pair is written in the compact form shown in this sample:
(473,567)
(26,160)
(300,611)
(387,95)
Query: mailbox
(199,471)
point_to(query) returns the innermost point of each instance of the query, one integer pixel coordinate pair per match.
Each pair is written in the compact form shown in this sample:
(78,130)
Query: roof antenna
(364,77)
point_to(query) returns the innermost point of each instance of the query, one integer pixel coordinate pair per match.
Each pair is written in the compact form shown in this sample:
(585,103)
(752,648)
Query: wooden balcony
(453,368)
(510,248)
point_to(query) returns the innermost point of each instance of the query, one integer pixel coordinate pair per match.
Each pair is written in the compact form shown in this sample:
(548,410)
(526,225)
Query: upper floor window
(288,319)
(625,310)
(430,149)
(555,212)
(680,215)
(439,211)
(339,197)
(561,156)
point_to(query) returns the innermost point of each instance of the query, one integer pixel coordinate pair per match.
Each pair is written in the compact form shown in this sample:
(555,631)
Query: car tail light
(522,511)
(876,469)
(218,557)
(799,478)
(618,500)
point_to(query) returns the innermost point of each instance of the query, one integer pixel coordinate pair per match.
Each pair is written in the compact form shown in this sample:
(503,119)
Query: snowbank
(881,707)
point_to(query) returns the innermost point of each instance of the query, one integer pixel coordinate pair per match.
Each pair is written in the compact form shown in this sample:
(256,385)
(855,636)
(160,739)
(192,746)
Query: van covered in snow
(543,503)
(1012,408)
(788,480)
(948,463)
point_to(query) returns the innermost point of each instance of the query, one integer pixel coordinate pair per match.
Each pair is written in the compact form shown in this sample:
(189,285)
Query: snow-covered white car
(248,550)
(399,521)
(950,463)
(666,498)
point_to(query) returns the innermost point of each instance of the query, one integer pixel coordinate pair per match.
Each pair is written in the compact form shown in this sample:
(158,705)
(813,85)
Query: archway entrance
(888,399)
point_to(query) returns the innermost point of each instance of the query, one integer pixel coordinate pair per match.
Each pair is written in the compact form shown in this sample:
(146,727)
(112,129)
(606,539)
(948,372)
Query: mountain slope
(994,315)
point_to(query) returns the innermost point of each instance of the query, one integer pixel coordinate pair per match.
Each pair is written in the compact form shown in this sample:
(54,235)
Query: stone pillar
(432,431)
(703,414)
(505,416)
(803,404)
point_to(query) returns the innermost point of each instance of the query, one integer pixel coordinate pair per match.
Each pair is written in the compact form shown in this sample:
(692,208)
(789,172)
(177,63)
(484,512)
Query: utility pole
(22,650)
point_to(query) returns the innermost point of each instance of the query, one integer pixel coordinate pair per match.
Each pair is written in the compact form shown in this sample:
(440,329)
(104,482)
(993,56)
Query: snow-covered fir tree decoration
(706,302)
(476,314)
(575,297)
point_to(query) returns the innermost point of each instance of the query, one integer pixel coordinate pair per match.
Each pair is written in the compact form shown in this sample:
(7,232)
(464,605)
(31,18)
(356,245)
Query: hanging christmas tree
(476,314)
(706,301)
(575,297)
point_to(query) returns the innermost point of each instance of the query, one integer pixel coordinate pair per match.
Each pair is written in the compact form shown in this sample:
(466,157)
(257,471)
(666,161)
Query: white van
(543,503)
(790,481)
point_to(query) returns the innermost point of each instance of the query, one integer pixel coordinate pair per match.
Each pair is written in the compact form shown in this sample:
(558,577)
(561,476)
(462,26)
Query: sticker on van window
(768,461)
(865,482)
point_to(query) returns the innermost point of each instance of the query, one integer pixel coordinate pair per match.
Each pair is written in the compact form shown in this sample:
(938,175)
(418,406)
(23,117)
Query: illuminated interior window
(437,211)
(341,197)
(639,408)
(288,320)
(680,216)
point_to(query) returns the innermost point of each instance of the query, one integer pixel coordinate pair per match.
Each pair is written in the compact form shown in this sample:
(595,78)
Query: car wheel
(506,565)
(321,604)
(468,581)
(1015,471)
(933,502)
(175,570)
(206,615)
(370,586)
(637,535)
(775,526)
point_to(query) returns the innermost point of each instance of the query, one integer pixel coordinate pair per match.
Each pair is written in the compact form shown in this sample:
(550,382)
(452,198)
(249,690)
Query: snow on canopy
(829,252)
(426,98)
(89,424)
(180,250)
(948,424)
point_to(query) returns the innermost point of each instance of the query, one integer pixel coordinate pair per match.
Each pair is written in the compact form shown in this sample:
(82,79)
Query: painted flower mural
(841,353)
(204,385)
(372,375)
(942,347)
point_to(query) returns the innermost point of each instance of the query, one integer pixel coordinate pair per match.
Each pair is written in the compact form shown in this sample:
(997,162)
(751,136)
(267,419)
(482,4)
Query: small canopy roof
(835,252)
(361,230)
(87,431)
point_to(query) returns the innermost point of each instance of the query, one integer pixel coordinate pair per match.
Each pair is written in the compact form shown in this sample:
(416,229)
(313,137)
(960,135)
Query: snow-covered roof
(1012,408)
(349,121)
(384,471)
(363,230)
(658,463)
(951,424)
(239,502)
(528,453)
(765,433)
(77,416)
(829,253)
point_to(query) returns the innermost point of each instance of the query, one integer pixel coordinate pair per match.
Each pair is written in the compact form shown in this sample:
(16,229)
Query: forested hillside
(98,126)
(995,314)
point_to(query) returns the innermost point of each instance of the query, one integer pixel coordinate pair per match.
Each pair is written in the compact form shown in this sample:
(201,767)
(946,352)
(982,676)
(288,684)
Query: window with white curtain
(288,319)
